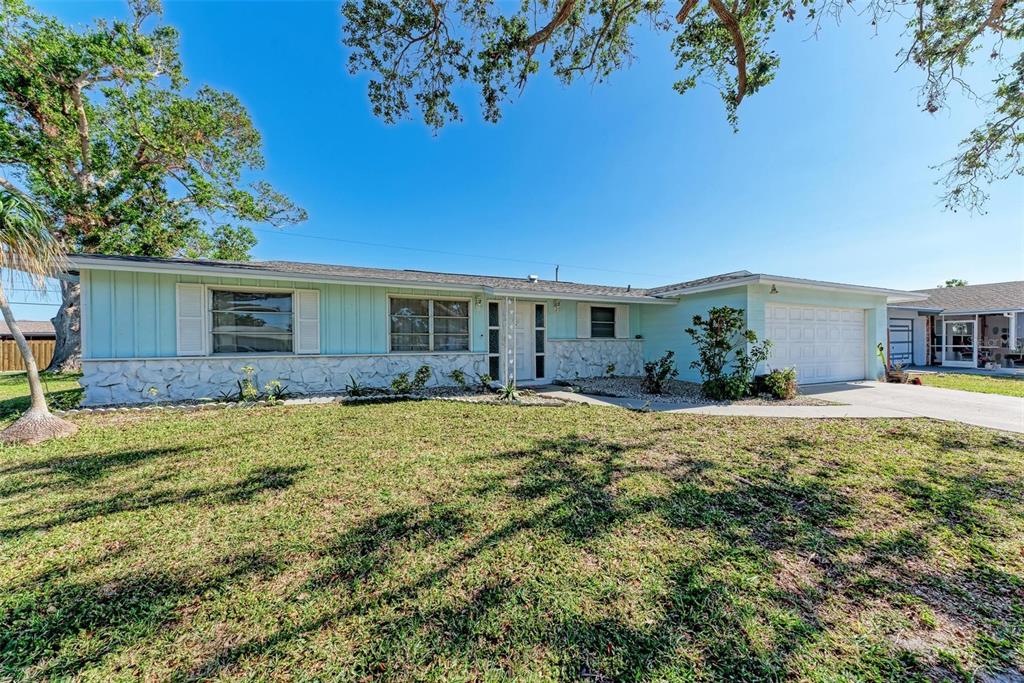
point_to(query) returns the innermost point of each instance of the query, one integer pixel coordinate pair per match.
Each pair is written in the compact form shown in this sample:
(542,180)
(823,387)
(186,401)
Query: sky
(626,182)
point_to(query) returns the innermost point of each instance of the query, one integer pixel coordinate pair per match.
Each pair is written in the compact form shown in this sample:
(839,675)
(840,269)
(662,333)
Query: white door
(958,344)
(523,340)
(823,344)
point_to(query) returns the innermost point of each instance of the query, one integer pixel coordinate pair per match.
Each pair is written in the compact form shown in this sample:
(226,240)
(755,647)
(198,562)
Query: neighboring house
(975,326)
(32,329)
(160,329)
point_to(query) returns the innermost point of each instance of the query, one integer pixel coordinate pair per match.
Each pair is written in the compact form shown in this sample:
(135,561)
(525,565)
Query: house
(171,329)
(32,329)
(975,326)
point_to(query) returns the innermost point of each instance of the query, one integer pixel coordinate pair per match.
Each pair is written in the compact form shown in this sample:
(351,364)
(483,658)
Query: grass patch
(982,384)
(62,393)
(442,541)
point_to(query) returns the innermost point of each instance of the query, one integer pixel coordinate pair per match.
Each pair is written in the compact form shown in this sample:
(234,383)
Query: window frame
(430,322)
(210,289)
(613,323)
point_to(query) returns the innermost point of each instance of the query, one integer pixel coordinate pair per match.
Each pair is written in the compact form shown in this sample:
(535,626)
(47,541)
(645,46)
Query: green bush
(727,354)
(401,384)
(459,378)
(781,383)
(656,373)
(420,379)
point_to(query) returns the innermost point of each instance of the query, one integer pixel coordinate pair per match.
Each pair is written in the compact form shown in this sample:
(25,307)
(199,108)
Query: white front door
(824,344)
(958,344)
(523,341)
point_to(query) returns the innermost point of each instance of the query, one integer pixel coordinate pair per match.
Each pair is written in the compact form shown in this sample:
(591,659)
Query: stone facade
(116,382)
(571,358)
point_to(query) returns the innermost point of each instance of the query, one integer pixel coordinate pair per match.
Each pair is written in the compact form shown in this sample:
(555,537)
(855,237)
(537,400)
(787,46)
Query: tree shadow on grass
(261,480)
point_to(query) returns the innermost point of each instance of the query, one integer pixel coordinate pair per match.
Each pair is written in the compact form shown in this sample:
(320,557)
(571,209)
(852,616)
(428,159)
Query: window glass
(602,321)
(492,314)
(539,322)
(424,325)
(251,322)
(540,366)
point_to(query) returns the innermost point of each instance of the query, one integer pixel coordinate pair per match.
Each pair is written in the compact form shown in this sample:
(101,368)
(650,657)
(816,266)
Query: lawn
(446,541)
(62,391)
(1007,386)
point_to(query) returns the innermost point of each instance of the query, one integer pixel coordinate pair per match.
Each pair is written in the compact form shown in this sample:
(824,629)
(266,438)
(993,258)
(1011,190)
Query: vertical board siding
(132,315)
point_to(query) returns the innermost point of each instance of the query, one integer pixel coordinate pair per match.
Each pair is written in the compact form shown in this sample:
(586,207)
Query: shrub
(656,373)
(420,379)
(723,343)
(401,384)
(781,383)
(484,381)
(275,391)
(354,388)
(610,370)
(459,377)
(247,390)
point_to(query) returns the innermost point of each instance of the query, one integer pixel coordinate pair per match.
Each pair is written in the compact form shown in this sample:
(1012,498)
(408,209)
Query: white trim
(892,295)
(430,320)
(175,268)
(82,336)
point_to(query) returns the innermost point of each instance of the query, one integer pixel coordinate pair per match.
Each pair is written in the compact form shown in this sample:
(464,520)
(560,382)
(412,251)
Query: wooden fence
(10,356)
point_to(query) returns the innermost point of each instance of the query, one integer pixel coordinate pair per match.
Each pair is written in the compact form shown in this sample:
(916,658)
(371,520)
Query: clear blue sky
(829,176)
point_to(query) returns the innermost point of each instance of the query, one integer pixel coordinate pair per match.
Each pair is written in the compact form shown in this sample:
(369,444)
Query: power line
(454,253)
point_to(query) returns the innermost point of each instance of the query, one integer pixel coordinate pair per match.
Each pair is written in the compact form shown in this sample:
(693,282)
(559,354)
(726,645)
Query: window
(493,340)
(424,325)
(602,322)
(539,332)
(251,322)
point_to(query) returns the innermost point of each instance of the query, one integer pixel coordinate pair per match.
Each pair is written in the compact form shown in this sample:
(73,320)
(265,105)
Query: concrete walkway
(860,399)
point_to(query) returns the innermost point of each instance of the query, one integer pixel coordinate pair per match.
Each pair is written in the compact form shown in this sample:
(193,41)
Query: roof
(994,297)
(490,284)
(30,328)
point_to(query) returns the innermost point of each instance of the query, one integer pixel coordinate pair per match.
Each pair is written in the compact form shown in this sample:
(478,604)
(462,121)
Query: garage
(824,344)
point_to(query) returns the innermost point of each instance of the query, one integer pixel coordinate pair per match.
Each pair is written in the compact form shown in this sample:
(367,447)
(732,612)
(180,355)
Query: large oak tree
(100,129)
(418,51)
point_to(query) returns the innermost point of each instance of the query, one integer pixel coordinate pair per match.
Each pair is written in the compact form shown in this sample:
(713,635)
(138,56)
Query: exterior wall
(108,382)
(663,327)
(132,315)
(876,315)
(563,321)
(574,358)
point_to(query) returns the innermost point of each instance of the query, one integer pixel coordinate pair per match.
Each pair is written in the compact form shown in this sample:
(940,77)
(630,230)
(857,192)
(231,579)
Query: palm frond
(26,243)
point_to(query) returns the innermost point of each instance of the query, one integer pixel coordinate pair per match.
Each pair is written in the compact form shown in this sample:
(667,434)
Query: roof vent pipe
(532,278)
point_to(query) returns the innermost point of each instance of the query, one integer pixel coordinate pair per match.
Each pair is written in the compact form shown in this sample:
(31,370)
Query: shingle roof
(997,296)
(30,328)
(411,276)
(714,279)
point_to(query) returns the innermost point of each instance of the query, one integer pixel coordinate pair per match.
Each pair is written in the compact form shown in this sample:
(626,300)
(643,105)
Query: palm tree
(26,244)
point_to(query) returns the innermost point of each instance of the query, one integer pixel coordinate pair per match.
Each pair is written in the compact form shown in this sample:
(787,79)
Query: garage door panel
(824,344)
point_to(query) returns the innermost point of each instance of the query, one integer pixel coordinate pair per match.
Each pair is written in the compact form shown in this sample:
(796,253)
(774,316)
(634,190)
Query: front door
(958,344)
(523,340)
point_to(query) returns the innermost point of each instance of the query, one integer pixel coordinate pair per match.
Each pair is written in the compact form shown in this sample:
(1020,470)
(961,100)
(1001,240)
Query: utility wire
(289,233)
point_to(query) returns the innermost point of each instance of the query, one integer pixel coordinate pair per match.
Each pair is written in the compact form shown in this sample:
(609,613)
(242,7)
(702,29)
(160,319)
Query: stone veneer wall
(571,358)
(113,382)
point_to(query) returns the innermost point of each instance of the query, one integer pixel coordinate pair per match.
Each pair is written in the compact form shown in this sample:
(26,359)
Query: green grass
(445,541)
(62,391)
(1007,386)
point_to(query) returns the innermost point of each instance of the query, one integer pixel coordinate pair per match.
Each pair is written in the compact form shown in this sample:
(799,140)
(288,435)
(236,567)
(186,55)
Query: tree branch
(542,35)
(733,26)
(83,137)
(685,10)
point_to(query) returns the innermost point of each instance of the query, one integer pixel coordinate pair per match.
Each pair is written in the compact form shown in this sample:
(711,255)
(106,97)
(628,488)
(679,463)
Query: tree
(418,51)
(954,282)
(27,245)
(98,127)
(723,342)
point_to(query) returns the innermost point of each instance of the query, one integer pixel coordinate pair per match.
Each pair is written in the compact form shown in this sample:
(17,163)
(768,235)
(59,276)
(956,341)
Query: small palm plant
(26,244)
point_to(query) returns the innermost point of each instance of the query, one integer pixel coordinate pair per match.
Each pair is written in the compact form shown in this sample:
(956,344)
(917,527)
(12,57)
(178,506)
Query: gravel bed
(677,391)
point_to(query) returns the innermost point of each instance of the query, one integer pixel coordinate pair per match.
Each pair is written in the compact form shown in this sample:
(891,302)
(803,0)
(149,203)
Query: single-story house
(31,329)
(170,329)
(974,326)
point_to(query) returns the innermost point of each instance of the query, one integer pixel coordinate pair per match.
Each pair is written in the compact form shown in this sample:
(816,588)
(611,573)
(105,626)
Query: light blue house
(171,329)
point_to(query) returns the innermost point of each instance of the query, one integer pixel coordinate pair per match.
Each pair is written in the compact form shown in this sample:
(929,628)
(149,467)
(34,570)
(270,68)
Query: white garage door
(823,344)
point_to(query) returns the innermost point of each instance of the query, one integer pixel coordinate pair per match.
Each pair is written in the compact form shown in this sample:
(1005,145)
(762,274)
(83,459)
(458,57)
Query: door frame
(973,363)
(512,350)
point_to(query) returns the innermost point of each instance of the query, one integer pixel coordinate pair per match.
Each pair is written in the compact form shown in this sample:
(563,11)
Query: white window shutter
(622,321)
(307,321)
(191,315)
(583,321)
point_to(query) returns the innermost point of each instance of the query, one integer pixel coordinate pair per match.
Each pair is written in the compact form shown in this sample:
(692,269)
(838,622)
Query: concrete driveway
(908,400)
(860,399)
